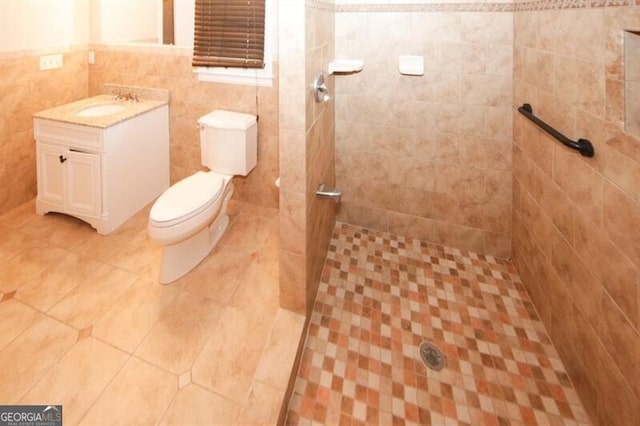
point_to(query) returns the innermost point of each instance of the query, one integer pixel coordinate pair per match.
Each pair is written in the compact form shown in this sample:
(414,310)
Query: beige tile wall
(576,233)
(24,90)
(293,219)
(170,68)
(427,156)
(320,140)
(307,150)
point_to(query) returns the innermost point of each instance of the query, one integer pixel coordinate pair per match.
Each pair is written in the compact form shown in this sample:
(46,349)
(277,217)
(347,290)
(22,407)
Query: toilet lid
(187,198)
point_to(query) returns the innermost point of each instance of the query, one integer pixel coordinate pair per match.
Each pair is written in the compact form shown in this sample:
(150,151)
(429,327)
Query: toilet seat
(186,199)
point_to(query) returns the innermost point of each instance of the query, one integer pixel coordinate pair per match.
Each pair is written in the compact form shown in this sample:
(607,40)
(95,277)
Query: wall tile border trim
(320,5)
(484,7)
(428,7)
(572,4)
(22,53)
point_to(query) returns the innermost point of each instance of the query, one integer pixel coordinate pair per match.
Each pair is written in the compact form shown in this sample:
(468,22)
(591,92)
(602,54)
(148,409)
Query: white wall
(184,11)
(126,20)
(40,24)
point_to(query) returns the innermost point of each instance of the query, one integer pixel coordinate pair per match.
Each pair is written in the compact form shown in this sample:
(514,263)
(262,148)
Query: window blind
(229,33)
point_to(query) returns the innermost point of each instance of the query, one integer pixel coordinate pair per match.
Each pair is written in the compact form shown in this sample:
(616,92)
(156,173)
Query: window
(632,81)
(229,33)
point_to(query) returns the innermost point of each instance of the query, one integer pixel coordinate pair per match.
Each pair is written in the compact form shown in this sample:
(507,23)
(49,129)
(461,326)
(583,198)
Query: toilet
(190,217)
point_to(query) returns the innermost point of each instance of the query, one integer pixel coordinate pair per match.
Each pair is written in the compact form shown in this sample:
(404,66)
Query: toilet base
(180,258)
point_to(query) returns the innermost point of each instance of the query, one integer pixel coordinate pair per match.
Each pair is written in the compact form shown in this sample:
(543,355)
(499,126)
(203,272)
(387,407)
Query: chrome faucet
(130,96)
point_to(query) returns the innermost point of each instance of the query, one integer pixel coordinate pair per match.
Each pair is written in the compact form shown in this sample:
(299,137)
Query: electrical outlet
(50,62)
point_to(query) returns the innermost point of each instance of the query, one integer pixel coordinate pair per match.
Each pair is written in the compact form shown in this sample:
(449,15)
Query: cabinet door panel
(83,183)
(50,174)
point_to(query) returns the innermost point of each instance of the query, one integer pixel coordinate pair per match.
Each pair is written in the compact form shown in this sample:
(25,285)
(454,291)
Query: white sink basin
(100,110)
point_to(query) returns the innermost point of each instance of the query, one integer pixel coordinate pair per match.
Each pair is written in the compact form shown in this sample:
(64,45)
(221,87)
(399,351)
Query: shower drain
(432,356)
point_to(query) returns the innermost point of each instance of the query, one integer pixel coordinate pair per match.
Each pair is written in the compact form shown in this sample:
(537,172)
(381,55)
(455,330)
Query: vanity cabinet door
(51,173)
(70,179)
(83,183)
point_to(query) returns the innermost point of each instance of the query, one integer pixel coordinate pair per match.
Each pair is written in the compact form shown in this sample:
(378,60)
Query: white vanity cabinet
(102,175)
(71,179)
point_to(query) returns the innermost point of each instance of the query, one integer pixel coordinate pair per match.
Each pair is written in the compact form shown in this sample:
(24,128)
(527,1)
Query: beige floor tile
(280,349)
(104,247)
(235,208)
(17,217)
(14,242)
(107,287)
(31,355)
(262,211)
(138,221)
(56,281)
(175,341)
(247,233)
(271,248)
(129,320)
(100,247)
(184,379)
(78,378)
(28,265)
(137,254)
(152,273)
(56,228)
(218,276)
(194,405)
(139,394)
(228,362)
(15,317)
(259,290)
(263,406)
(86,303)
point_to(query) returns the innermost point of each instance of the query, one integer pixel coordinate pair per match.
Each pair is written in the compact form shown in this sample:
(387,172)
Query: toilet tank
(229,142)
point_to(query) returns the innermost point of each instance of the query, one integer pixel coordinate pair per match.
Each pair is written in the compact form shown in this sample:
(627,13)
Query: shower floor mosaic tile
(381,296)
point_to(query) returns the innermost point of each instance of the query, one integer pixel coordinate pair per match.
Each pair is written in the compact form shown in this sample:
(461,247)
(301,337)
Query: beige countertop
(68,113)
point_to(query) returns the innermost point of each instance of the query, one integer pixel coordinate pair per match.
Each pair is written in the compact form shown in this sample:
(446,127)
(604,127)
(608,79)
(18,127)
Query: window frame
(249,76)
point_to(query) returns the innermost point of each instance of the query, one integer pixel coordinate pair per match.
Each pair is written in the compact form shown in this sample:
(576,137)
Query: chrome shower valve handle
(320,89)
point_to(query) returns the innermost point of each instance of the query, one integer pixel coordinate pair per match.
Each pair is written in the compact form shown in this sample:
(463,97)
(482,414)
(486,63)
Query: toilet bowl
(188,206)
(190,217)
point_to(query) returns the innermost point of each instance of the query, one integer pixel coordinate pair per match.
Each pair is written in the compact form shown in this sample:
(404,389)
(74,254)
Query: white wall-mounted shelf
(411,65)
(345,66)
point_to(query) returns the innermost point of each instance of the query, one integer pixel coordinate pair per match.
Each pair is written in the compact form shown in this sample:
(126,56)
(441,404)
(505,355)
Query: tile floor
(381,296)
(83,323)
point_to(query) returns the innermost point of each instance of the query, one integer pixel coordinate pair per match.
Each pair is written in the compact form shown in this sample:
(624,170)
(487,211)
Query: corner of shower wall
(575,234)
(427,156)
(306,150)
(307,156)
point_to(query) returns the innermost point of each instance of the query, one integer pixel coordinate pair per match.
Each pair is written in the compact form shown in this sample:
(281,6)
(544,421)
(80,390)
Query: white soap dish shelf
(345,66)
